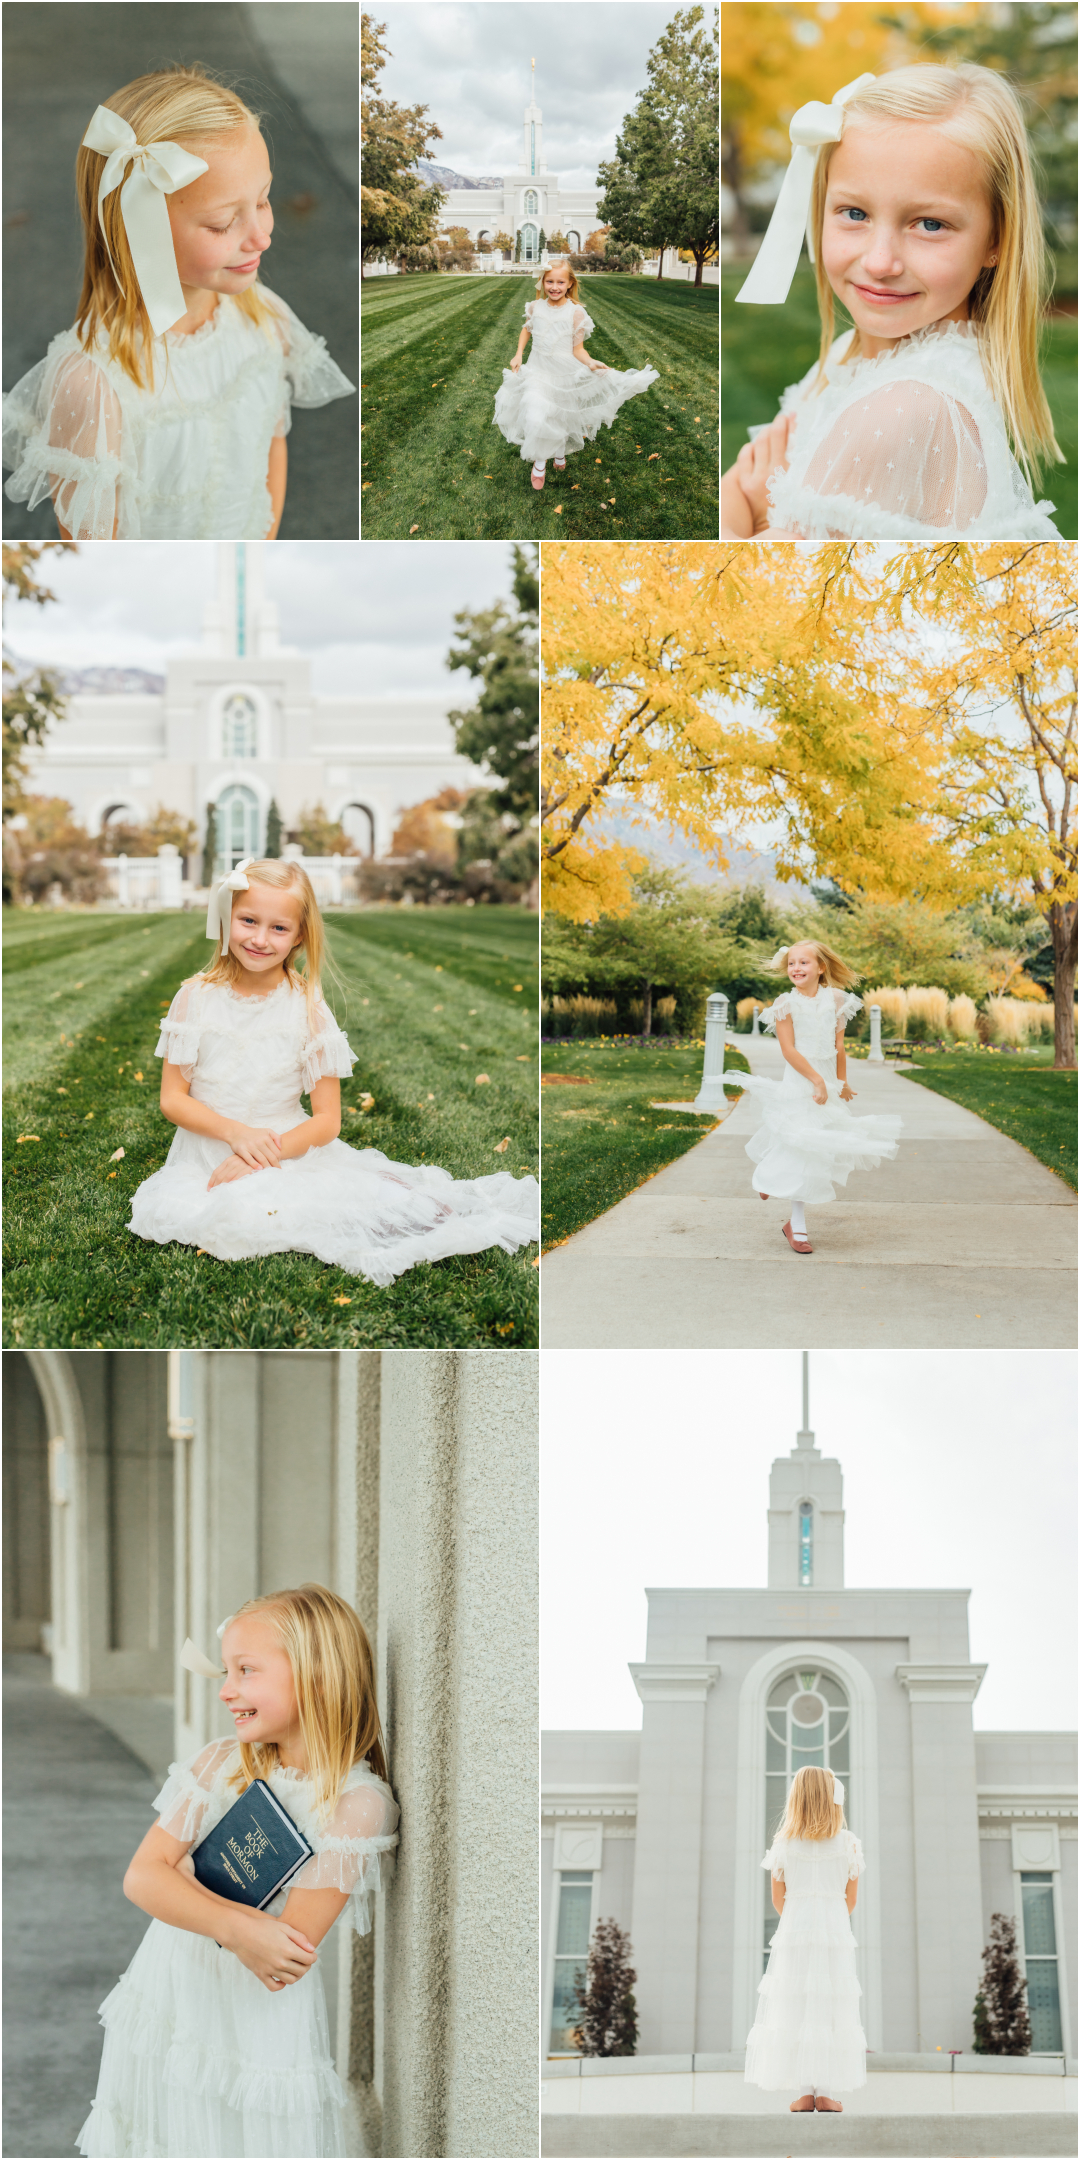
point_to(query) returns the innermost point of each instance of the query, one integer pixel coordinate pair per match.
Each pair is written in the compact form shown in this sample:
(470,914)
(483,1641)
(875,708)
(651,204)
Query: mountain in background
(444,176)
(673,851)
(92,681)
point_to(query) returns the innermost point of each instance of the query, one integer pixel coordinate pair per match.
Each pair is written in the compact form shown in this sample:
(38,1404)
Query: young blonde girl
(249,1172)
(558,401)
(808,2032)
(216,2036)
(162,414)
(928,419)
(808,1137)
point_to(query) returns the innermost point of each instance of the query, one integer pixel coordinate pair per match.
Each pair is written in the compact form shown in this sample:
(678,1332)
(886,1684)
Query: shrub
(1009,1020)
(744,1013)
(928,1009)
(894,1009)
(963,1019)
(579,1016)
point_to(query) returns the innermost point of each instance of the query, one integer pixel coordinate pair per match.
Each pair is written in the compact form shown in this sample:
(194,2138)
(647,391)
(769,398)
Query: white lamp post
(710,1095)
(876,1056)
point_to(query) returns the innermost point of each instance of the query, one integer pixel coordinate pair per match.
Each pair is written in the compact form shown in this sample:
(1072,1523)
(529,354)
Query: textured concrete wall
(455,2043)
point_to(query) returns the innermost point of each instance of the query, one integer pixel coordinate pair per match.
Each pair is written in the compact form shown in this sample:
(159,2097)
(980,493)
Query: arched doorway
(358,822)
(575,241)
(119,813)
(530,251)
(237,825)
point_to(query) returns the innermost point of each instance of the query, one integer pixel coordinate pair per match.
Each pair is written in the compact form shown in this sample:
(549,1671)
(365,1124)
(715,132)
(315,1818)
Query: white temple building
(532,202)
(664,1830)
(238,725)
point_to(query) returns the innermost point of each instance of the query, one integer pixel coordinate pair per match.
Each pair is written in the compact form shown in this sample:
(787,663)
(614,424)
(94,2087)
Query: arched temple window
(529,248)
(237,825)
(806,1544)
(807,1721)
(532,203)
(239,728)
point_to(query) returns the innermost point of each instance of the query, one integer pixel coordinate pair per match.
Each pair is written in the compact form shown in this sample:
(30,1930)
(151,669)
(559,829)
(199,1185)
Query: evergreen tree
(543,239)
(981,2043)
(273,831)
(1005,2026)
(210,845)
(662,188)
(498,646)
(605,1995)
(517,246)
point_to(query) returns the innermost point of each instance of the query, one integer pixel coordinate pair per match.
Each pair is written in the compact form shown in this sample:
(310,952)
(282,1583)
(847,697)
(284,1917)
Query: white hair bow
(219,911)
(778,958)
(195,1661)
(157,170)
(837,1791)
(774,267)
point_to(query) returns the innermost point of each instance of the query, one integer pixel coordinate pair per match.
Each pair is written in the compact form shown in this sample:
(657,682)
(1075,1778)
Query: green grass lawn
(763,349)
(434,352)
(601,1138)
(1022,1096)
(429,1001)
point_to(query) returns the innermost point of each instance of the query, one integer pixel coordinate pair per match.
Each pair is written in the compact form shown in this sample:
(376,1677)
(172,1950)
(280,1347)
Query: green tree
(604,1994)
(543,239)
(500,733)
(273,831)
(503,243)
(163,828)
(398,211)
(662,188)
(669,941)
(318,834)
(31,702)
(209,858)
(1006,2025)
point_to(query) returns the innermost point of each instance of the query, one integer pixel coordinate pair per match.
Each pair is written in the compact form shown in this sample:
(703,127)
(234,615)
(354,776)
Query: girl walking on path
(249,1172)
(808,2032)
(216,2039)
(163,413)
(556,403)
(808,1137)
(928,420)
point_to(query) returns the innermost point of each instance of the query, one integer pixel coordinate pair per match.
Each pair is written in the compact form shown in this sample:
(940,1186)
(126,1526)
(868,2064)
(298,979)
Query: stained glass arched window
(532,202)
(240,728)
(807,1722)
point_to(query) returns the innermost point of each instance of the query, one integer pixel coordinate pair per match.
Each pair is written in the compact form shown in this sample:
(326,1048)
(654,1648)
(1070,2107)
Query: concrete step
(761,2137)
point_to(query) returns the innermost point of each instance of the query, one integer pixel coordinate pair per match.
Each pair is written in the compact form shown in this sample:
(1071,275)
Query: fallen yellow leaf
(501,1146)
(505,1327)
(536,1262)
(88,1117)
(341,1301)
(113,1173)
(652,454)
(414,528)
(61,1091)
(118,1157)
(519,986)
(136,1076)
(558,509)
(482,1080)
(436,1008)
(524,1059)
(78,986)
(367,1102)
(25,1136)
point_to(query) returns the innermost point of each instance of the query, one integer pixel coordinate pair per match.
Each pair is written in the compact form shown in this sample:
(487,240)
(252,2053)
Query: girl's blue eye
(933,224)
(853,213)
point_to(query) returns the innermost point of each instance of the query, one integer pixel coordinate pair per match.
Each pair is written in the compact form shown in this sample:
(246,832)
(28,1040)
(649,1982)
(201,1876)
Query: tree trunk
(660,265)
(646,1010)
(1063,938)
(699,265)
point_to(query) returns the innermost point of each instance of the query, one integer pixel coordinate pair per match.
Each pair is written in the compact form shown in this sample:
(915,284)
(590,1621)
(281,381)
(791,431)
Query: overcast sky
(959,1473)
(470,66)
(384,627)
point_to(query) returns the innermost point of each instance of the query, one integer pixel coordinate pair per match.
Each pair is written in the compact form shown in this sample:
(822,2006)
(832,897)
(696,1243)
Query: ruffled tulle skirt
(201,2061)
(808,2029)
(351,1207)
(802,1149)
(554,407)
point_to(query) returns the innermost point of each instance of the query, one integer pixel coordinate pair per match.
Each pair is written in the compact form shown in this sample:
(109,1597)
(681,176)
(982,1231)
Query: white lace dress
(200,2059)
(808,2029)
(803,1149)
(553,405)
(185,461)
(251,1058)
(910,446)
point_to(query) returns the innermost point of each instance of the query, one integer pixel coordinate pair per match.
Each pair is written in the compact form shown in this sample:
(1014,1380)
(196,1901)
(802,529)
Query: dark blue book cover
(253,1851)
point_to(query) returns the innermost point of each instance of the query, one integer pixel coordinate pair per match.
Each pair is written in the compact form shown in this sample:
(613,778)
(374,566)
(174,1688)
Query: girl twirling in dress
(808,2032)
(162,415)
(807,1137)
(216,2039)
(922,216)
(249,1172)
(554,404)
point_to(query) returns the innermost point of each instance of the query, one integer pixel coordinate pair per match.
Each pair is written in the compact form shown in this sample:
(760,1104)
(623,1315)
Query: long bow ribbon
(837,1791)
(218,915)
(157,170)
(195,1661)
(774,266)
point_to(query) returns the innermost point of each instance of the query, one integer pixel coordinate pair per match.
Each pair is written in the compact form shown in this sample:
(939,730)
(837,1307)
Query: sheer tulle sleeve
(907,451)
(312,378)
(188,1804)
(774,1860)
(583,325)
(780,1009)
(326,1054)
(847,1005)
(529,306)
(66,436)
(350,1851)
(856,1862)
(179,1037)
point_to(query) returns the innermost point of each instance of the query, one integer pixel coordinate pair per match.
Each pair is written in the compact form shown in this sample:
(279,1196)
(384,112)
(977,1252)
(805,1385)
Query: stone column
(876,1056)
(667,1861)
(948,1890)
(710,1095)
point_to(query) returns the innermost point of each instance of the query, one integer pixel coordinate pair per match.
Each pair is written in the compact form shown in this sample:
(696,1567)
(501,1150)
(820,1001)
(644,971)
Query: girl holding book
(216,2038)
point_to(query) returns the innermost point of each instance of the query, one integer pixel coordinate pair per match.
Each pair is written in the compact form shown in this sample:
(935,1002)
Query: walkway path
(964,1242)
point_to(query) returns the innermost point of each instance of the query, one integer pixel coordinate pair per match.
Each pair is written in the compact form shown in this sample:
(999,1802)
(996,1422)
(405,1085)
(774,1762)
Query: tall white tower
(534,163)
(239,623)
(806,1512)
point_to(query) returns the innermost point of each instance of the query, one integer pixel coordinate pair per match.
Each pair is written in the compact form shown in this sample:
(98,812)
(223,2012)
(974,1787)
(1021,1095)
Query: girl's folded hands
(276,1953)
(756,463)
(259,1149)
(233,1167)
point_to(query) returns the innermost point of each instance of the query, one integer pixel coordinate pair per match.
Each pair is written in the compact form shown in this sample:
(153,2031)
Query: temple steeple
(238,623)
(534,132)
(806,1512)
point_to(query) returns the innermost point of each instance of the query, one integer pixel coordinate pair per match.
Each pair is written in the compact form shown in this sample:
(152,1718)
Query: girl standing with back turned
(808,2031)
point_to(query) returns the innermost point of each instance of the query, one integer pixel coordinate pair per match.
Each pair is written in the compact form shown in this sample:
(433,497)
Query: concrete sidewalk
(761,2137)
(964,1242)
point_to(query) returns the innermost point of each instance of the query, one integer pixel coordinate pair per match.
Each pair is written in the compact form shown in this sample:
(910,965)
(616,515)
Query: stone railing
(158,881)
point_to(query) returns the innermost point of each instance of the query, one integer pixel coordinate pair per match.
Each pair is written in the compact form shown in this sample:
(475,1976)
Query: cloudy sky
(386,629)
(470,66)
(959,1473)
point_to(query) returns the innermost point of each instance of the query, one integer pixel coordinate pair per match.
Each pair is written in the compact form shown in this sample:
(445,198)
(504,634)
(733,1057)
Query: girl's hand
(278,1955)
(847,1094)
(233,1167)
(756,463)
(515,363)
(260,1150)
(598,367)
(821,1092)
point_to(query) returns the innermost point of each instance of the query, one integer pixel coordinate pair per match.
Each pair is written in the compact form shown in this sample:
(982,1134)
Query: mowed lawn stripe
(59,988)
(431,444)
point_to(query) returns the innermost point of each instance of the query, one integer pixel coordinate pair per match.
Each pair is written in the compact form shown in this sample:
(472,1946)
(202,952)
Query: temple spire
(806,1512)
(804,1440)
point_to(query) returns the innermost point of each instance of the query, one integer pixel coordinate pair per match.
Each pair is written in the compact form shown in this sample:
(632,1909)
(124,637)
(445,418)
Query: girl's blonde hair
(561,263)
(977,107)
(183,105)
(836,972)
(334,1678)
(811,1811)
(283,875)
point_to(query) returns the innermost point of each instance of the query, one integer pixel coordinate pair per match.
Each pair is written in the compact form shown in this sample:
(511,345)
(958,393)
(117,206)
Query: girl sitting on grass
(249,1172)
(808,2032)
(922,217)
(162,414)
(555,404)
(216,2038)
(807,1137)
